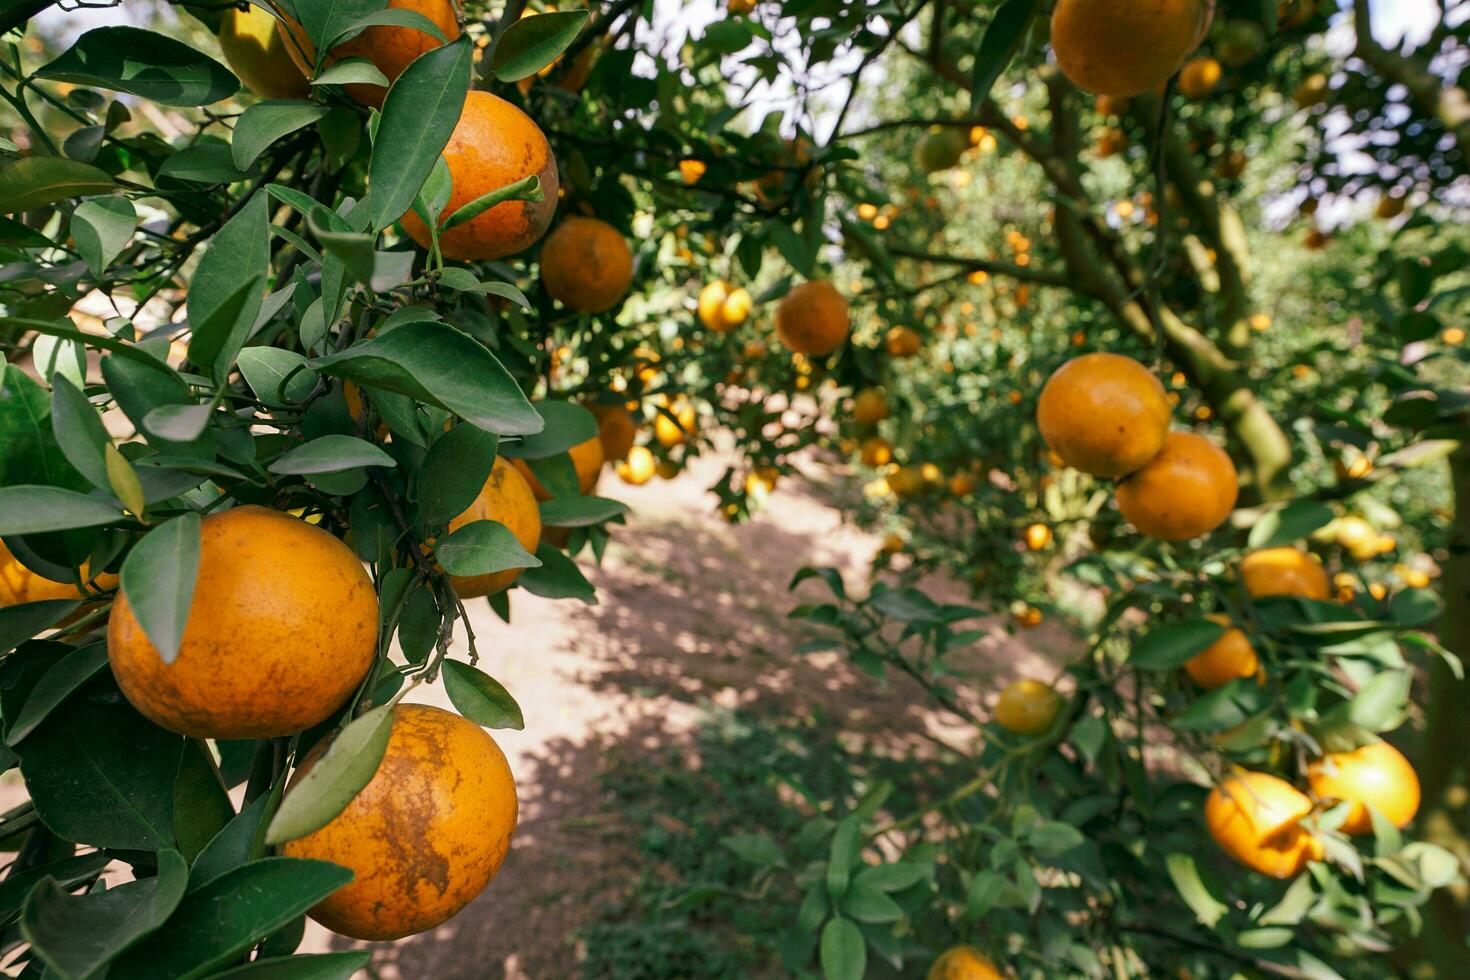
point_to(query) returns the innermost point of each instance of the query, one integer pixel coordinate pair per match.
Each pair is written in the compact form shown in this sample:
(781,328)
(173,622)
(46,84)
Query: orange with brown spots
(586,265)
(492,145)
(813,318)
(283,628)
(507,498)
(1104,414)
(424,836)
(391,49)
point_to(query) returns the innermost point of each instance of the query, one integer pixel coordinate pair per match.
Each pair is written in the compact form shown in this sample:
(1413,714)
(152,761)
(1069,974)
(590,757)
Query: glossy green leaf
(33,509)
(1191,887)
(101,228)
(331,454)
(481,698)
(60,681)
(278,377)
(336,777)
(557,578)
(843,951)
(483,548)
(580,511)
(318,966)
(566,424)
(79,431)
(1170,647)
(454,472)
(1291,523)
(142,63)
(532,43)
(266,122)
(228,287)
(1002,39)
(158,579)
(34,182)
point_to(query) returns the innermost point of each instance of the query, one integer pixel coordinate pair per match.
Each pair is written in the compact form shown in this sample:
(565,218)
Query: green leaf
(206,164)
(60,681)
(1003,37)
(843,951)
(202,806)
(438,365)
(1291,523)
(419,115)
(557,578)
(481,698)
(483,548)
(757,848)
(123,480)
(532,43)
(239,842)
(1382,704)
(1170,647)
(228,287)
(178,423)
(278,377)
(20,623)
(34,182)
(1225,707)
(32,510)
(331,454)
(327,24)
(320,966)
(66,873)
(77,936)
(1294,905)
(454,472)
(431,201)
(1191,887)
(342,771)
(101,228)
(29,450)
(1052,838)
(565,424)
(228,916)
(17,235)
(103,774)
(80,433)
(986,889)
(525,189)
(392,17)
(580,511)
(1415,608)
(846,842)
(145,64)
(868,904)
(896,877)
(158,578)
(351,71)
(265,122)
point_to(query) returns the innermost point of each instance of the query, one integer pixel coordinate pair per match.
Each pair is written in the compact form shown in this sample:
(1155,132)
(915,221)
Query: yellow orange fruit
(1375,775)
(586,265)
(493,144)
(282,629)
(963,963)
(1038,536)
(587,459)
(18,584)
(691,170)
(902,342)
(1284,572)
(962,483)
(1229,657)
(940,148)
(507,498)
(424,836)
(721,308)
(1187,490)
(1199,77)
(1027,707)
(876,451)
(638,468)
(257,52)
(389,47)
(671,432)
(813,318)
(1104,414)
(1126,47)
(869,405)
(616,427)
(1255,817)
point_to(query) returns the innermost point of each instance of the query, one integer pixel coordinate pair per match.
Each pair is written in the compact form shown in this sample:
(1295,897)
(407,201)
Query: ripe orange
(962,483)
(876,451)
(665,430)
(493,144)
(902,342)
(1284,571)
(813,318)
(1376,775)
(869,406)
(638,468)
(18,584)
(616,427)
(390,48)
(1126,47)
(586,265)
(1185,491)
(721,308)
(906,481)
(587,459)
(1104,414)
(1221,662)
(1256,817)
(424,836)
(1199,76)
(283,627)
(507,497)
(1038,536)
(1027,707)
(963,963)
(1028,617)
(259,54)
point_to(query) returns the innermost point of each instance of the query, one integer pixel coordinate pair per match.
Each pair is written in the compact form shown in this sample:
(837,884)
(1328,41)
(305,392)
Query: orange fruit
(638,468)
(893,543)
(390,48)
(18,584)
(812,318)
(1221,662)
(1199,76)
(1376,775)
(1284,571)
(1028,617)
(869,406)
(1126,47)
(1037,536)
(902,342)
(665,430)
(906,481)
(616,427)
(963,963)
(587,459)
(1027,707)
(586,265)
(1187,490)
(876,452)
(283,627)
(1110,105)
(259,54)
(1390,206)
(1255,817)
(424,836)
(962,483)
(721,308)
(691,170)
(492,145)
(506,497)
(1104,414)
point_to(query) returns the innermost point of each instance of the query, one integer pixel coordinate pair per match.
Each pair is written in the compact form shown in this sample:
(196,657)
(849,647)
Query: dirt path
(692,612)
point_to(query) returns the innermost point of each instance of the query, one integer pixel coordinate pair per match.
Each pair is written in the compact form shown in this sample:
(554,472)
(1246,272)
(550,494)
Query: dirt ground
(691,613)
